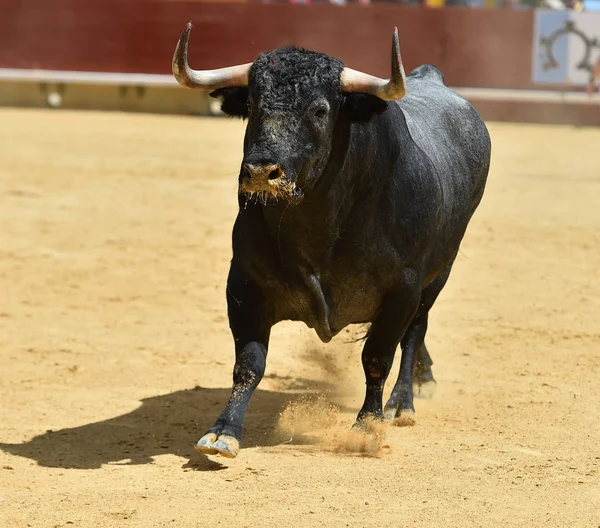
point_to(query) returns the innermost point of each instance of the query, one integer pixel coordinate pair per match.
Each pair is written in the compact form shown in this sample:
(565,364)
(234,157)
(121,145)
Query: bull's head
(292,99)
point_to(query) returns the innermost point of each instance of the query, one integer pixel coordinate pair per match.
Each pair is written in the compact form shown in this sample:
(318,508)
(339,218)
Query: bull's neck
(306,232)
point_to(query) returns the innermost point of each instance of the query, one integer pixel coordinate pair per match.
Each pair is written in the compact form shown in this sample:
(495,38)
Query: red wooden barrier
(473,47)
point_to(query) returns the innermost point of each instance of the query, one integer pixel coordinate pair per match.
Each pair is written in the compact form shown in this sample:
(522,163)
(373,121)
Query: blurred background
(516,60)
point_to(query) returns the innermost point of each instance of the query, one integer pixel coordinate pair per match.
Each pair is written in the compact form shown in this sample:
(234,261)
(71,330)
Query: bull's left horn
(390,89)
(205,79)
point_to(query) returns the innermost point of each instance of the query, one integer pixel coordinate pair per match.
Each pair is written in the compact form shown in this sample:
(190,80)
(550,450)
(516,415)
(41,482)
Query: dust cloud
(316,420)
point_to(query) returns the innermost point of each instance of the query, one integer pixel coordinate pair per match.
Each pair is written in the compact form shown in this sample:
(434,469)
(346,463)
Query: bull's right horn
(208,80)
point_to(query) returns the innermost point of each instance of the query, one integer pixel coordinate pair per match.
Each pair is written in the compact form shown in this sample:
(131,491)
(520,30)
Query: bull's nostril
(260,173)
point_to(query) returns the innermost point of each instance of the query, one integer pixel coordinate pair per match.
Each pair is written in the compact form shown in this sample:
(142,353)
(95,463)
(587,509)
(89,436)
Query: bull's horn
(205,79)
(390,89)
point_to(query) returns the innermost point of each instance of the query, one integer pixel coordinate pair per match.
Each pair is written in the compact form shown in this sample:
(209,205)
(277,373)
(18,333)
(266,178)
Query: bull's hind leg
(415,366)
(400,402)
(423,381)
(250,326)
(396,313)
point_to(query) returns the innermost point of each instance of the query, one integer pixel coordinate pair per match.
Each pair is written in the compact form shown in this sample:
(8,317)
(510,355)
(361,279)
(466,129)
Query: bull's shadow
(167,424)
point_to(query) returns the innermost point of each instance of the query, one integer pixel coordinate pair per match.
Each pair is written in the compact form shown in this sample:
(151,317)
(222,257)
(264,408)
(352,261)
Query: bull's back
(453,138)
(447,128)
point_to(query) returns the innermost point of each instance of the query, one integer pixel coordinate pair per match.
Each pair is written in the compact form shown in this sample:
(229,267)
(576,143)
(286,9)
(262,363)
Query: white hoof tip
(206,444)
(211,444)
(406,418)
(424,390)
(227,446)
(389,414)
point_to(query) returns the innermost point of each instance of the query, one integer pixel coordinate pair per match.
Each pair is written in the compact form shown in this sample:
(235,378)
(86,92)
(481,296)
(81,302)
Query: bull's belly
(336,306)
(343,297)
(354,306)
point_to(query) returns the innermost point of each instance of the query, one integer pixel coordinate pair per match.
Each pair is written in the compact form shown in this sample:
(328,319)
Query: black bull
(353,202)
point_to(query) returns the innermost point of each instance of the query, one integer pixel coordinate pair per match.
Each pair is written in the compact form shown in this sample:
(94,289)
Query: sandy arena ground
(115,352)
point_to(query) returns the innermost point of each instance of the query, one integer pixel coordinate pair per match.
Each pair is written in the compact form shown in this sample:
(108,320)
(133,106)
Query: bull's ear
(363,107)
(234,101)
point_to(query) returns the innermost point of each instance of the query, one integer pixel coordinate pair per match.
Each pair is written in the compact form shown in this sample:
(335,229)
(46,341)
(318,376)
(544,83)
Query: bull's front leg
(387,330)
(251,327)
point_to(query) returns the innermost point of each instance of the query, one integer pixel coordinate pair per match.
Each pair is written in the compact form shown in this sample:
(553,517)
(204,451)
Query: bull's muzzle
(268,179)
(261,176)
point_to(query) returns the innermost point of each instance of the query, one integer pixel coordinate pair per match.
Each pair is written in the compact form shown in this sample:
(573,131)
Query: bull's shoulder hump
(426,84)
(426,88)
(427,72)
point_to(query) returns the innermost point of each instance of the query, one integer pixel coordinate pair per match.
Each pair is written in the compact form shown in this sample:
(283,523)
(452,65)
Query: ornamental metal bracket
(547,43)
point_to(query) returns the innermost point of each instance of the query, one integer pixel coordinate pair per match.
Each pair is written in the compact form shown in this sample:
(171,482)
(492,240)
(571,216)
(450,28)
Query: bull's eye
(320,113)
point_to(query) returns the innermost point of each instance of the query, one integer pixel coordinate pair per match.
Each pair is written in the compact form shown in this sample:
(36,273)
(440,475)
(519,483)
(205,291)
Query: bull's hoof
(364,423)
(424,390)
(206,444)
(227,446)
(399,417)
(389,414)
(211,444)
